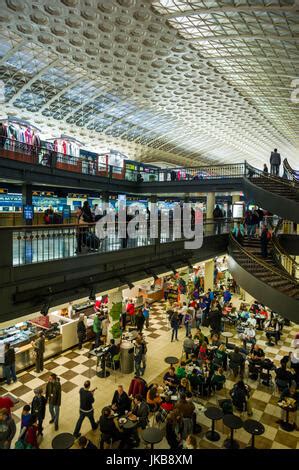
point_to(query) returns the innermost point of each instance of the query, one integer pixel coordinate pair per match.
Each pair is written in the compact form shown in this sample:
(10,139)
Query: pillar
(115,306)
(209,275)
(210,205)
(27,199)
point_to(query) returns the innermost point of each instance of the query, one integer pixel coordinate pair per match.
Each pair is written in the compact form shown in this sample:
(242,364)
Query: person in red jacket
(130,309)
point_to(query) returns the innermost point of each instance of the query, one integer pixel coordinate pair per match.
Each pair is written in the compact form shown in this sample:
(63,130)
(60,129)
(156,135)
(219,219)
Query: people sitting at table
(292,392)
(170,379)
(283,377)
(110,429)
(218,379)
(184,386)
(203,352)
(215,340)
(256,353)
(240,394)
(174,429)
(271,327)
(220,357)
(140,409)
(195,379)
(85,443)
(153,398)
(181,370)
(113,348)
(248,336)
(237,362)
(251,321)
(120,401)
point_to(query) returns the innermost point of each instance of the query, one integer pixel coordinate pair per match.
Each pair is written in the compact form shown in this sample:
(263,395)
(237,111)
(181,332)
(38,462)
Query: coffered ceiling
(186,82)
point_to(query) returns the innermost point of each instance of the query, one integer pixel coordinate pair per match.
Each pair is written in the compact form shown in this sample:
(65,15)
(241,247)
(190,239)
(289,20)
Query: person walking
(217,216)
(9,368)
(97,329)
(139,321)
(138,354)
(53,397)
(174,323)
(265,238)
(81,330)
(275,161)
(188,322)
(86,408)
(39,349)
(38,408)
(145,313)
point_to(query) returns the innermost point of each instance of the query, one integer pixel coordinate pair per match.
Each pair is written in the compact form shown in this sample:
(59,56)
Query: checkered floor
(73,367)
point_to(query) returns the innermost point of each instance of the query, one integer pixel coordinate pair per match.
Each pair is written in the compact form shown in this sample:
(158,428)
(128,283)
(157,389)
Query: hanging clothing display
(12,134)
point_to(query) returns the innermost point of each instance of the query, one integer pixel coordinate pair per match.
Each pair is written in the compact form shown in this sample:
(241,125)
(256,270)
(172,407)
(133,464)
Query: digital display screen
(28,212)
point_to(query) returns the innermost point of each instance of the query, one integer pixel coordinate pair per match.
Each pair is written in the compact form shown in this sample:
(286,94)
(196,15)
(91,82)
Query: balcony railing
(43,156)
(43,243)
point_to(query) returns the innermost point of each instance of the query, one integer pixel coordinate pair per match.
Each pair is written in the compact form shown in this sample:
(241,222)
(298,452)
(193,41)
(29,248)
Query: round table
(65,440)
(214,414)
(152,436)
(255,428)
(171,360)
(286,425)
(226,335)
(232,422)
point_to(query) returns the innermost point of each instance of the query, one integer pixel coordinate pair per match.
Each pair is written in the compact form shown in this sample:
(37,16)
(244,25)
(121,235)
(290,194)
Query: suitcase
(91,241)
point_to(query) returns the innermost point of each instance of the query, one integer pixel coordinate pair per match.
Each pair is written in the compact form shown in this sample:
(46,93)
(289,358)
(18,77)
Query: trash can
(126,357)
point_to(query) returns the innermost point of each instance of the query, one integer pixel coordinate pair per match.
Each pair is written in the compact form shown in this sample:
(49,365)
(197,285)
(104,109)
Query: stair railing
(252,172)
(257,261)
(281,256)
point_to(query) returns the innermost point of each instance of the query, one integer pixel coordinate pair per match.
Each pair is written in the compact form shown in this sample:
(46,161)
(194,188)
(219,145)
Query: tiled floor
(73,367)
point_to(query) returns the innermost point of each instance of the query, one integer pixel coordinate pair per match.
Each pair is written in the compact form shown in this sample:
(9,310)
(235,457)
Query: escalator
(263,278)
(278,195)
(289,172)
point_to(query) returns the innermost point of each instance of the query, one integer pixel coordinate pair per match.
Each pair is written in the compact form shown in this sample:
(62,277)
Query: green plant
(115,330)
(115,311)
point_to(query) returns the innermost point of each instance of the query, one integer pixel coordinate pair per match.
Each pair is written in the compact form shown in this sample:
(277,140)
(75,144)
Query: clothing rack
(21,122)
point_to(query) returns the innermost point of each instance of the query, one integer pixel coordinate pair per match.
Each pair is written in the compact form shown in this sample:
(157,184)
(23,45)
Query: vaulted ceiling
(185,82)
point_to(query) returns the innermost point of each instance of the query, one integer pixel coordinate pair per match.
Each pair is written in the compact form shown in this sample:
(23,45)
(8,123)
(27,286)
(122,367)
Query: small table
(65,440)
(152,436)
(232,422)
(286,425)
(255,428)
(214,414)
(226,335)
(171,360)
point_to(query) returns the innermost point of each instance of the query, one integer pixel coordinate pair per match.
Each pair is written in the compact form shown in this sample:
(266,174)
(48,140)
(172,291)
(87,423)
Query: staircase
(263,278)
(278,186)
(278,195)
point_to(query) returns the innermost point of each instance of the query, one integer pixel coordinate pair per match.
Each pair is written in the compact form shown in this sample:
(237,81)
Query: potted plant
(114,314)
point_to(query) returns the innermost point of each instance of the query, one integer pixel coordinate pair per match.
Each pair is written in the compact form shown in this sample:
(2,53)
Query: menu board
(28,212)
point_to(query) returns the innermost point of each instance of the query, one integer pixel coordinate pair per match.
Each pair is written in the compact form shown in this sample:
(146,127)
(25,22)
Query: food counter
(22,334)
(60,332)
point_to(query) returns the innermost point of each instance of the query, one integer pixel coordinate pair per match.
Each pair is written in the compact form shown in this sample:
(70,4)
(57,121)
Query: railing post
(6,243)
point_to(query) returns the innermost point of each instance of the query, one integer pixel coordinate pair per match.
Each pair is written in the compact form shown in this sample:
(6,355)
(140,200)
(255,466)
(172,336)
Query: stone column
(210,205)
(209,275)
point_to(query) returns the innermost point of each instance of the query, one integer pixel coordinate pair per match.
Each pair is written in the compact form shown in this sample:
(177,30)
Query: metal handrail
(273,178)
(261,262)
(279,251)
(291,174)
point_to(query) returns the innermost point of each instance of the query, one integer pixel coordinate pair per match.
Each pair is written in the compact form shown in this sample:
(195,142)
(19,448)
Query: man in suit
(120,401)
(275,161)
(141,411)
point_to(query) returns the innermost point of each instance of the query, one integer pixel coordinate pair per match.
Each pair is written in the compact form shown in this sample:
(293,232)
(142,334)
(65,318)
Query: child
(25,419)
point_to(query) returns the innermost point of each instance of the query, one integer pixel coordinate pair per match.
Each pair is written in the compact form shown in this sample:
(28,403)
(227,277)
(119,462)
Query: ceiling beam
(243,37)
(233,9)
